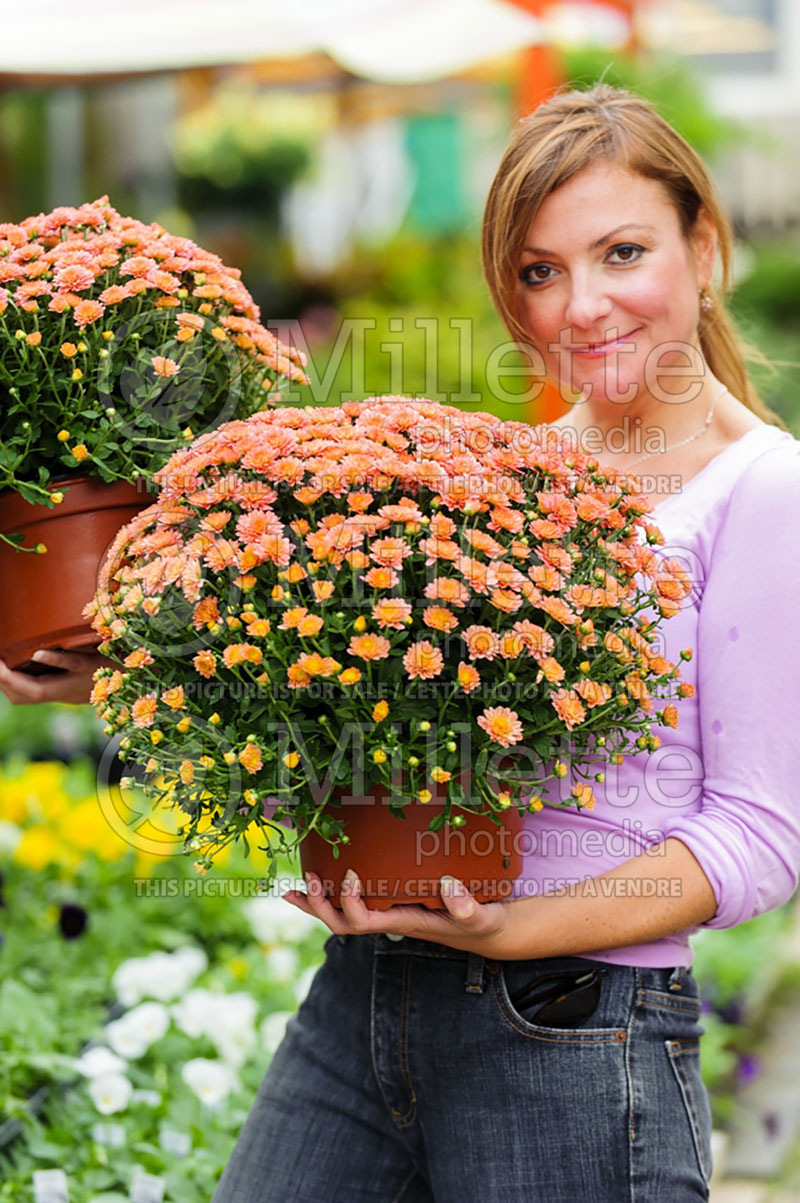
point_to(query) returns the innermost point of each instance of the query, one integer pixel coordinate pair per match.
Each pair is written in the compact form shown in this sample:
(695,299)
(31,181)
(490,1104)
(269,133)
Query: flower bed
(176,1031)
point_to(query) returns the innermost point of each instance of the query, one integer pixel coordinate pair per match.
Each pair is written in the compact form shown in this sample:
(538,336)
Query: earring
(706,301)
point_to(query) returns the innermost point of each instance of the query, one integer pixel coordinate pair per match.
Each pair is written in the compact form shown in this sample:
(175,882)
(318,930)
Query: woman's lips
(593,350)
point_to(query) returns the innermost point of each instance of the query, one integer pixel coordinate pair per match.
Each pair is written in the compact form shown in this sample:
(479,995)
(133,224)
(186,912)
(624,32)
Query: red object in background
(42,596)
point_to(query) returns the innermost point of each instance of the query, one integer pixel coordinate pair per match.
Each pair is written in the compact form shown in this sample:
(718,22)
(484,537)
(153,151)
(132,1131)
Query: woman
(546,1048)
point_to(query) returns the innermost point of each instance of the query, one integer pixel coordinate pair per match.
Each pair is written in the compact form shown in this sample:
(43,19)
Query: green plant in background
(245,147)
(743,973)
(675,90)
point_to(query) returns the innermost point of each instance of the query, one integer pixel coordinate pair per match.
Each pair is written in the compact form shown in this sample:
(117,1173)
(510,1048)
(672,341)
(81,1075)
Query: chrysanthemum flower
(423,660)
(162,366)
(369,647)
(502,725)
(594,693)
(86,312)
(250,758)
(568,707)
(481,641)
(309,625)
(206,663)
(468,677)
(391,612)
(143,711)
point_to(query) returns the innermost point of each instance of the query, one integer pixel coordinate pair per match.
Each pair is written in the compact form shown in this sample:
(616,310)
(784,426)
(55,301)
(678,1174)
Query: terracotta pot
(41,597)
(401,861)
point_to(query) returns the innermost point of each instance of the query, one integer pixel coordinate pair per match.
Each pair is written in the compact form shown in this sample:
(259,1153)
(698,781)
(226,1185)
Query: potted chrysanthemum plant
(118,343)
(332,619)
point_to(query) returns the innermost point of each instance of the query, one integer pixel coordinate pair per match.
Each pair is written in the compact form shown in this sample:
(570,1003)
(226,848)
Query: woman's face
(608,285)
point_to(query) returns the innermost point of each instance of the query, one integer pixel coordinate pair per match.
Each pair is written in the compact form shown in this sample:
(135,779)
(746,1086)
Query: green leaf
(30,493)
(26,1015)
(436,823)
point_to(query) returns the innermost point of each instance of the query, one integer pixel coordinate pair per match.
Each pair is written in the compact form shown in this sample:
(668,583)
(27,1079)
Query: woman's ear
(705,240)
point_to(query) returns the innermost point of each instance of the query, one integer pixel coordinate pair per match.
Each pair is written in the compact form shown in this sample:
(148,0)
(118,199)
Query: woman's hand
(73,686)
(481,927)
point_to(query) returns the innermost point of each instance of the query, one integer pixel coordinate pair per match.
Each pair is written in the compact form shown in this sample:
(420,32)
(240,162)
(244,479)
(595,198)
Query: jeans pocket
(684,1057)
(597,1027)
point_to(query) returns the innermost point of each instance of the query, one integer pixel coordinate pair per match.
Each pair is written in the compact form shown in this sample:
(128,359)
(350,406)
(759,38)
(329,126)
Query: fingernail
(451,886)
(350,880)
(38,656)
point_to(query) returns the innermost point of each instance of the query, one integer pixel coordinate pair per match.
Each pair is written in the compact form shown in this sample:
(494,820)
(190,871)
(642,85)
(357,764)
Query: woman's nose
(588,304)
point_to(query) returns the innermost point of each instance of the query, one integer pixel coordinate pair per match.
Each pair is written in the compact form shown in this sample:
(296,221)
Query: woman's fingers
(18,687)
(71,661)
(459,924)
(72,686)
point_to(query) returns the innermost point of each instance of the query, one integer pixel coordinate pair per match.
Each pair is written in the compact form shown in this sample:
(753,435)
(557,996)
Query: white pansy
(303,983)
(160,975)
(228,1020)
(10,837)
(99,1060)
(282,963)
(132,1034)
(110,1092)
(274,921)
(191,960)
(272,1029)
(211,1081)
(235,1045)
(191,1013)
(150,1098)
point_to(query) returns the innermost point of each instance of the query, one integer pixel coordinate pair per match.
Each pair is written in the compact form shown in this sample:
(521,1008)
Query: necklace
(698,434)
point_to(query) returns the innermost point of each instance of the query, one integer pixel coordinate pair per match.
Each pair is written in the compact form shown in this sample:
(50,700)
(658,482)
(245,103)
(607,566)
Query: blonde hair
(575,130)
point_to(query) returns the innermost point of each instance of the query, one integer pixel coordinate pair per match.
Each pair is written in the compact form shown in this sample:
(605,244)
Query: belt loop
(474,973)
(676,978)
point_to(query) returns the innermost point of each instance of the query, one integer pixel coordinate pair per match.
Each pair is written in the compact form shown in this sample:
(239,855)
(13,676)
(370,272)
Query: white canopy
(393,41)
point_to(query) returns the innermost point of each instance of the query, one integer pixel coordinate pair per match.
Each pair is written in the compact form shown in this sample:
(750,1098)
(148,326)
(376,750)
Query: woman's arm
(662,891)
(73,686)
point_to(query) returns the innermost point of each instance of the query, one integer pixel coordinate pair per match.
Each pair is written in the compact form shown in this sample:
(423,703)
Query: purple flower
(749,1067)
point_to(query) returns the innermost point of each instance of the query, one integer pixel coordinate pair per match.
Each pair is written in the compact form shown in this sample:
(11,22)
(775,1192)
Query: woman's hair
(575,130)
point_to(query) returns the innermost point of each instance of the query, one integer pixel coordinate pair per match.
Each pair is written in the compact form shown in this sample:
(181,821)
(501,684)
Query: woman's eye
(536,273)
(627,252)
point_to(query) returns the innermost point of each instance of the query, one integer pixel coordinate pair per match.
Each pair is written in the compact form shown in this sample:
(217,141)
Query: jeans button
(393,936)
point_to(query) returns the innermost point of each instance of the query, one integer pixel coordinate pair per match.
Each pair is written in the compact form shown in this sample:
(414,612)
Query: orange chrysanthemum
(391,612)
(502,725)
(468,677)
(250,758)
(163,366)
(206,663)
(423,660)
(482,643)
(144,710)
(369,647)
(568,707)
(439,618)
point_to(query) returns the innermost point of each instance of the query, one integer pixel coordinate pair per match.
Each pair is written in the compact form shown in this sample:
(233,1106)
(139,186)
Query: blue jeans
(407,1076)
